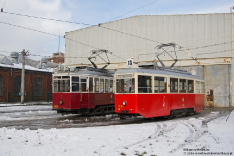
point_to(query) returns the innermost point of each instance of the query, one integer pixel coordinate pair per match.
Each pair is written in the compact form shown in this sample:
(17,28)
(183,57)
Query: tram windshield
(82,84)
(62,84)
(125,85)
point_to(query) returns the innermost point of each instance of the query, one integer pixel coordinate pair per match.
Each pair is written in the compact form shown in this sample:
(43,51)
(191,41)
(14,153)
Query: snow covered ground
(182,136)
(30,112)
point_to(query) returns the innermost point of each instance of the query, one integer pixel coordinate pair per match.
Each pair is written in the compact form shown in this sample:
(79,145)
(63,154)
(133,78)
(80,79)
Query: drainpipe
(232,70)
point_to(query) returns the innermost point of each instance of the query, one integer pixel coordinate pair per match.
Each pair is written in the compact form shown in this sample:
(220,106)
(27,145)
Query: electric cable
(133,10)
(44,18)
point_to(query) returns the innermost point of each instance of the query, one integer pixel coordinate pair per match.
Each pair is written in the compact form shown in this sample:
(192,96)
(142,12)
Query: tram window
(160,84)
(183,86)
(111,86)
(106,85)
(96,83)
(197,87)
(202,87)
(125,85)
(144,84)
(55,85)
(75,84)
(91,85)
(83,85)
(190,86)
(62,86)
(174,85)
(101,85)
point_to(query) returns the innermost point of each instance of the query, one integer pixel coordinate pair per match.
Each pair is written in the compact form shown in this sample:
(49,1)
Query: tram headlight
(60,102)
(124,103)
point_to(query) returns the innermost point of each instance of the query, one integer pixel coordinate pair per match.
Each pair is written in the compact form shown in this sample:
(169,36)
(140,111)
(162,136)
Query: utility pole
(24,54)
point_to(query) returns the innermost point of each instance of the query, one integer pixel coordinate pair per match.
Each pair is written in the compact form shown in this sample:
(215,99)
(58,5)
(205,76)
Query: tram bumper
(124,111)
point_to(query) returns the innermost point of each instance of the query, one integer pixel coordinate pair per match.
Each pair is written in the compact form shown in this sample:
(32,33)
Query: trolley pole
(24,54)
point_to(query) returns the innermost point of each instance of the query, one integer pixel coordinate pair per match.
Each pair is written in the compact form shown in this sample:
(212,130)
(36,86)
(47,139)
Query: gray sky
(82,11)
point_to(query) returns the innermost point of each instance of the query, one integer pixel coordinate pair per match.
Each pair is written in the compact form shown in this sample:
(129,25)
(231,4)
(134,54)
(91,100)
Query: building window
(37,87)
(1,85)
(17,85)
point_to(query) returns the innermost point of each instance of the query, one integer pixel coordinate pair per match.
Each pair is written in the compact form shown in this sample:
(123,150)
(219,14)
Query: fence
(29,97)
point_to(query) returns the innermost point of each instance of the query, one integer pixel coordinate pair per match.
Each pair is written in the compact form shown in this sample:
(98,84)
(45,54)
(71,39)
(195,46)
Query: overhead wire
(133,10)
(44,18)
(98,48)
(41,43)
(100,25)
(47,33)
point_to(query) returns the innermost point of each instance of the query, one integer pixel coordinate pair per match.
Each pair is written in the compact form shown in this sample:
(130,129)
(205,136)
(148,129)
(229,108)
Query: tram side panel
(98,99)
(183,101)
(200,103)
(153,105)
(131,103)
(173,101)
(66,101)
(83,100)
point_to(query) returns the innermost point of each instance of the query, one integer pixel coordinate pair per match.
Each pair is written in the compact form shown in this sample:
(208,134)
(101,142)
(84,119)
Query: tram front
(125,95)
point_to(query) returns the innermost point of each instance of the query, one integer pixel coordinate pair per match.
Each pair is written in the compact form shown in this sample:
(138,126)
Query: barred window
(17,85)
(1,85)
(37,87)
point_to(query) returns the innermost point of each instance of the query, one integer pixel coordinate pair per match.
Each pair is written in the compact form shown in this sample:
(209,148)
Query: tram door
(83,93)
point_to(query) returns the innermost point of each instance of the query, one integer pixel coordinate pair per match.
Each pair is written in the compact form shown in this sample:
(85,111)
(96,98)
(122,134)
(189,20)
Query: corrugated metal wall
(189,31)
(217,79)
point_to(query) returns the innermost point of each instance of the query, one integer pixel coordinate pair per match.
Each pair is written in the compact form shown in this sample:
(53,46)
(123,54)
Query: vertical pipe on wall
(232,69)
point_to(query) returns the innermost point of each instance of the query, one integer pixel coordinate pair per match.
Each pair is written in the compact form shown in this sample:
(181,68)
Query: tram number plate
(55,106)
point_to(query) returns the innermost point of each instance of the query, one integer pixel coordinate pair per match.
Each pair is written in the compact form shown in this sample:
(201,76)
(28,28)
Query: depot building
(204,46)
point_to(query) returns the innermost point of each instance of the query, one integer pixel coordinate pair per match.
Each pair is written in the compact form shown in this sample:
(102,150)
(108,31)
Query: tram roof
(85,71)
(153,71)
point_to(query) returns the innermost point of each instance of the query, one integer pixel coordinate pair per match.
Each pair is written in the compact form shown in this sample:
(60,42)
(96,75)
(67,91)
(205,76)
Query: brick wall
(9,75)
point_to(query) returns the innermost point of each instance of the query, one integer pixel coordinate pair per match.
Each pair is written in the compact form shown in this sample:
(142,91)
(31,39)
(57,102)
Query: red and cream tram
(157,92)
(85,90)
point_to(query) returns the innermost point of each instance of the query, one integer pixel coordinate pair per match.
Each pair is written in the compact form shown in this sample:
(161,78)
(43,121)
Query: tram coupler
(122,116)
